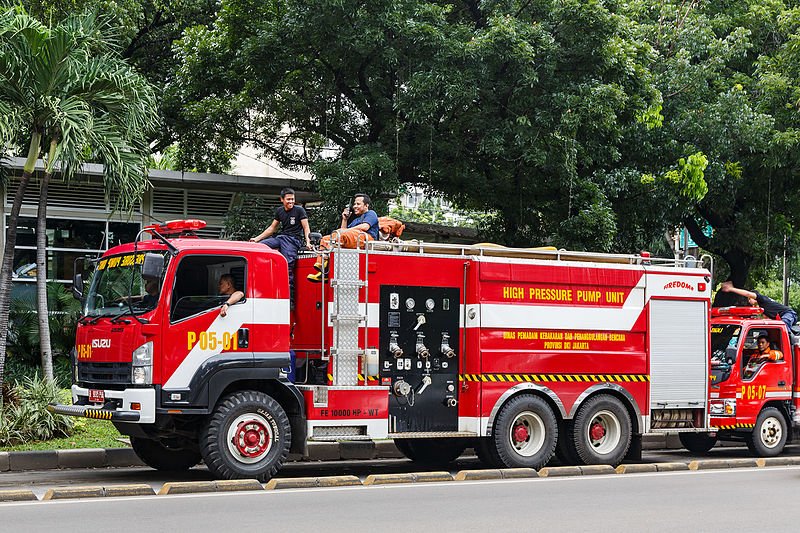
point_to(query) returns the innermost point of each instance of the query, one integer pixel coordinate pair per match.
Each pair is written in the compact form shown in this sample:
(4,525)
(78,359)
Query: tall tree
(68,89)
(146,30)
(728,75)
(505,105)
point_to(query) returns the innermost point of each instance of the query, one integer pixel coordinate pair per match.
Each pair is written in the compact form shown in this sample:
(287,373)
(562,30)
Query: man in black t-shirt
(772,309)
(294,226)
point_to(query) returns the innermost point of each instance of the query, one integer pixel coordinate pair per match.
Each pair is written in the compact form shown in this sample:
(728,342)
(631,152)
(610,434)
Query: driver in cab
(764,354)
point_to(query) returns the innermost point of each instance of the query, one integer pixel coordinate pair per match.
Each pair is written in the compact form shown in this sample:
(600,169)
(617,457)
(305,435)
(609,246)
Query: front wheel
(164,456)
(525,433)
(247,437)
(697,442)
(602,431)
(769,436)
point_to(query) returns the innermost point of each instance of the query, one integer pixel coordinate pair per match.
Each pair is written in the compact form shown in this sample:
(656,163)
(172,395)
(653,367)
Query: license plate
(97,396)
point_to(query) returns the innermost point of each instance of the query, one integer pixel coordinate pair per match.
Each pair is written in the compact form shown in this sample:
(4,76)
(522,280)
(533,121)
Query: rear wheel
(431,451)
(247,437)
(769,436)
(697,442)
(165,456)
(525,433)
(602,431)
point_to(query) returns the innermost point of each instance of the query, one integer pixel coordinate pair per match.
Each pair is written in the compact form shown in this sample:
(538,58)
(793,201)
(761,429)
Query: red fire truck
(750,398)
(521,354)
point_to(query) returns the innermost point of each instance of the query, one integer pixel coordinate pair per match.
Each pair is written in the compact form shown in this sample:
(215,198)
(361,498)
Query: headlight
(725,407)
(142,361)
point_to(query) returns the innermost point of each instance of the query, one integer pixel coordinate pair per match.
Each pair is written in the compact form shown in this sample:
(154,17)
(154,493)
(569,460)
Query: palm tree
(67,90)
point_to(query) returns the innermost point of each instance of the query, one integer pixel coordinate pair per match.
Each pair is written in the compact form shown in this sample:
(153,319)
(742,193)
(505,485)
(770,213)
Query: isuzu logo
(101,343)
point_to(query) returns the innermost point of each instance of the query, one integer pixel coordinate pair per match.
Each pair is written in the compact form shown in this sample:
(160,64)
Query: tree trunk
(41,280)
(6,271)
(739,264)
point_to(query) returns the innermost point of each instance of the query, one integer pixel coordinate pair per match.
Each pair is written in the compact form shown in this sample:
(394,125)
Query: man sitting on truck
(293,222)
(353,231)
(772,309)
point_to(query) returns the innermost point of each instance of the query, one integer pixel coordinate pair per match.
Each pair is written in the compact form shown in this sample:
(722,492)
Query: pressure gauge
(430,304)
(410,303)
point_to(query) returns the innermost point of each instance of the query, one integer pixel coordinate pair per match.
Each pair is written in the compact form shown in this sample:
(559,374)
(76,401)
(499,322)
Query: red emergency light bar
(736,311)
(177,227)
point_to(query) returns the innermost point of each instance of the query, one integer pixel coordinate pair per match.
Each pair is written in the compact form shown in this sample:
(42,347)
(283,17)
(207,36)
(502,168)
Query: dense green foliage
(23,338)
(728,78)
(24,416)
(505,106)
(599,125)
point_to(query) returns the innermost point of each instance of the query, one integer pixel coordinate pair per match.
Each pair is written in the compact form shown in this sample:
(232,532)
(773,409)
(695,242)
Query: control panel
(419,356)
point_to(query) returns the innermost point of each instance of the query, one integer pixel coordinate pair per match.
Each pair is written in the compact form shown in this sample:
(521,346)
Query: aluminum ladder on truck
(346,316)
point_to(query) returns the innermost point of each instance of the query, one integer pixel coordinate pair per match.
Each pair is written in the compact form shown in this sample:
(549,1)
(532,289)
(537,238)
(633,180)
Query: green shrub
(25,418)
(23,333)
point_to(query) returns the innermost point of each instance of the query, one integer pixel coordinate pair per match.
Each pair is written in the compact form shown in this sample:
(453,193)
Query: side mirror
(315,237)
(152,266)
(77,286)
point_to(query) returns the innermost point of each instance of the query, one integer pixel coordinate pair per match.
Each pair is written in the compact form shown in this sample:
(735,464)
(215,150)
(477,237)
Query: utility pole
(785,272)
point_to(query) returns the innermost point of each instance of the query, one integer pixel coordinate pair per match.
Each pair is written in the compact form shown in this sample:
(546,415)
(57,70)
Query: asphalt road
(41,480)
(748,499)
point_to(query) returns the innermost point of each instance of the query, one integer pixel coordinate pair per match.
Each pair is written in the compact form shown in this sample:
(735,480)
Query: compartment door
(678,354)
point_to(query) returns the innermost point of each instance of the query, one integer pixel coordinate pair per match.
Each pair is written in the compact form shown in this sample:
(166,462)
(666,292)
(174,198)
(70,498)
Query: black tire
(602,431)
(769,436)
(247,437)
(432,451)
(565,449)
(164,456)
(525,433)
(484,449)
(697,442)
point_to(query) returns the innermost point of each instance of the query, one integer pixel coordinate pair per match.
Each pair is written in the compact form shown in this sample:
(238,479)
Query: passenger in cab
(227,288)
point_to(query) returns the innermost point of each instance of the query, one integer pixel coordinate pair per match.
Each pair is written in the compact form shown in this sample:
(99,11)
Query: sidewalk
(317,451)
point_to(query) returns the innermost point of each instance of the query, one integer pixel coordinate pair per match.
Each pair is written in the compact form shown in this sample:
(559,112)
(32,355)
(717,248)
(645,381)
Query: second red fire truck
(521,354)
(753,383)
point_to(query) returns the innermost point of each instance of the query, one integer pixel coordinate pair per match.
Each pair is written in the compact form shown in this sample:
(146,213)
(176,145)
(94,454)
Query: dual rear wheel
(527,434)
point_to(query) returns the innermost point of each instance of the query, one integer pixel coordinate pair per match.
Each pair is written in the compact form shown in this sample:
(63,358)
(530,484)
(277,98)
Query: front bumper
(118,406)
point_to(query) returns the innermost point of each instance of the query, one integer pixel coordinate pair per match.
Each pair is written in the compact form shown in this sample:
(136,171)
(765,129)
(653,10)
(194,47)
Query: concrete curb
(778,461)
(413,477)
(636,469)
(17,496)
(73,492)
(712,464)
(311,482)
(194,487)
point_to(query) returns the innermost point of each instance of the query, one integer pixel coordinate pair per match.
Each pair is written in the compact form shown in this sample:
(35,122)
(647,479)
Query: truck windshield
(117,278)
(724,347)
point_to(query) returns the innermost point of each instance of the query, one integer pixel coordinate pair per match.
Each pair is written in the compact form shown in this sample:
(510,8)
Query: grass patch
(88,433)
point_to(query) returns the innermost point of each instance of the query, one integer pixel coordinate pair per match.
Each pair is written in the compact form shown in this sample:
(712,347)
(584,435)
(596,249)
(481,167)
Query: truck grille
(104,373)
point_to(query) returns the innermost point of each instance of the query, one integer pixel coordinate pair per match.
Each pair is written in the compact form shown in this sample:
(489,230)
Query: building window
(67,239)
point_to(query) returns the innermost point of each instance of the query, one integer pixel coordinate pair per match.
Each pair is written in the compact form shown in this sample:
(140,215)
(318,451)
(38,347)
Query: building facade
(82,219)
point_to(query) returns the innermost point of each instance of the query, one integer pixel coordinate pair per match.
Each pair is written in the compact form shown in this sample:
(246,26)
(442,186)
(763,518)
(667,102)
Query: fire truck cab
(750,392)
(520,354)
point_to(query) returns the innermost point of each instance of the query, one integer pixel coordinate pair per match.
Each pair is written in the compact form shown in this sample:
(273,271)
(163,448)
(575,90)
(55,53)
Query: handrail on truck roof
(544,253)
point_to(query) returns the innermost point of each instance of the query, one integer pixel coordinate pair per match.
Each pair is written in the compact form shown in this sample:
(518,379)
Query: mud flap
(635,449)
